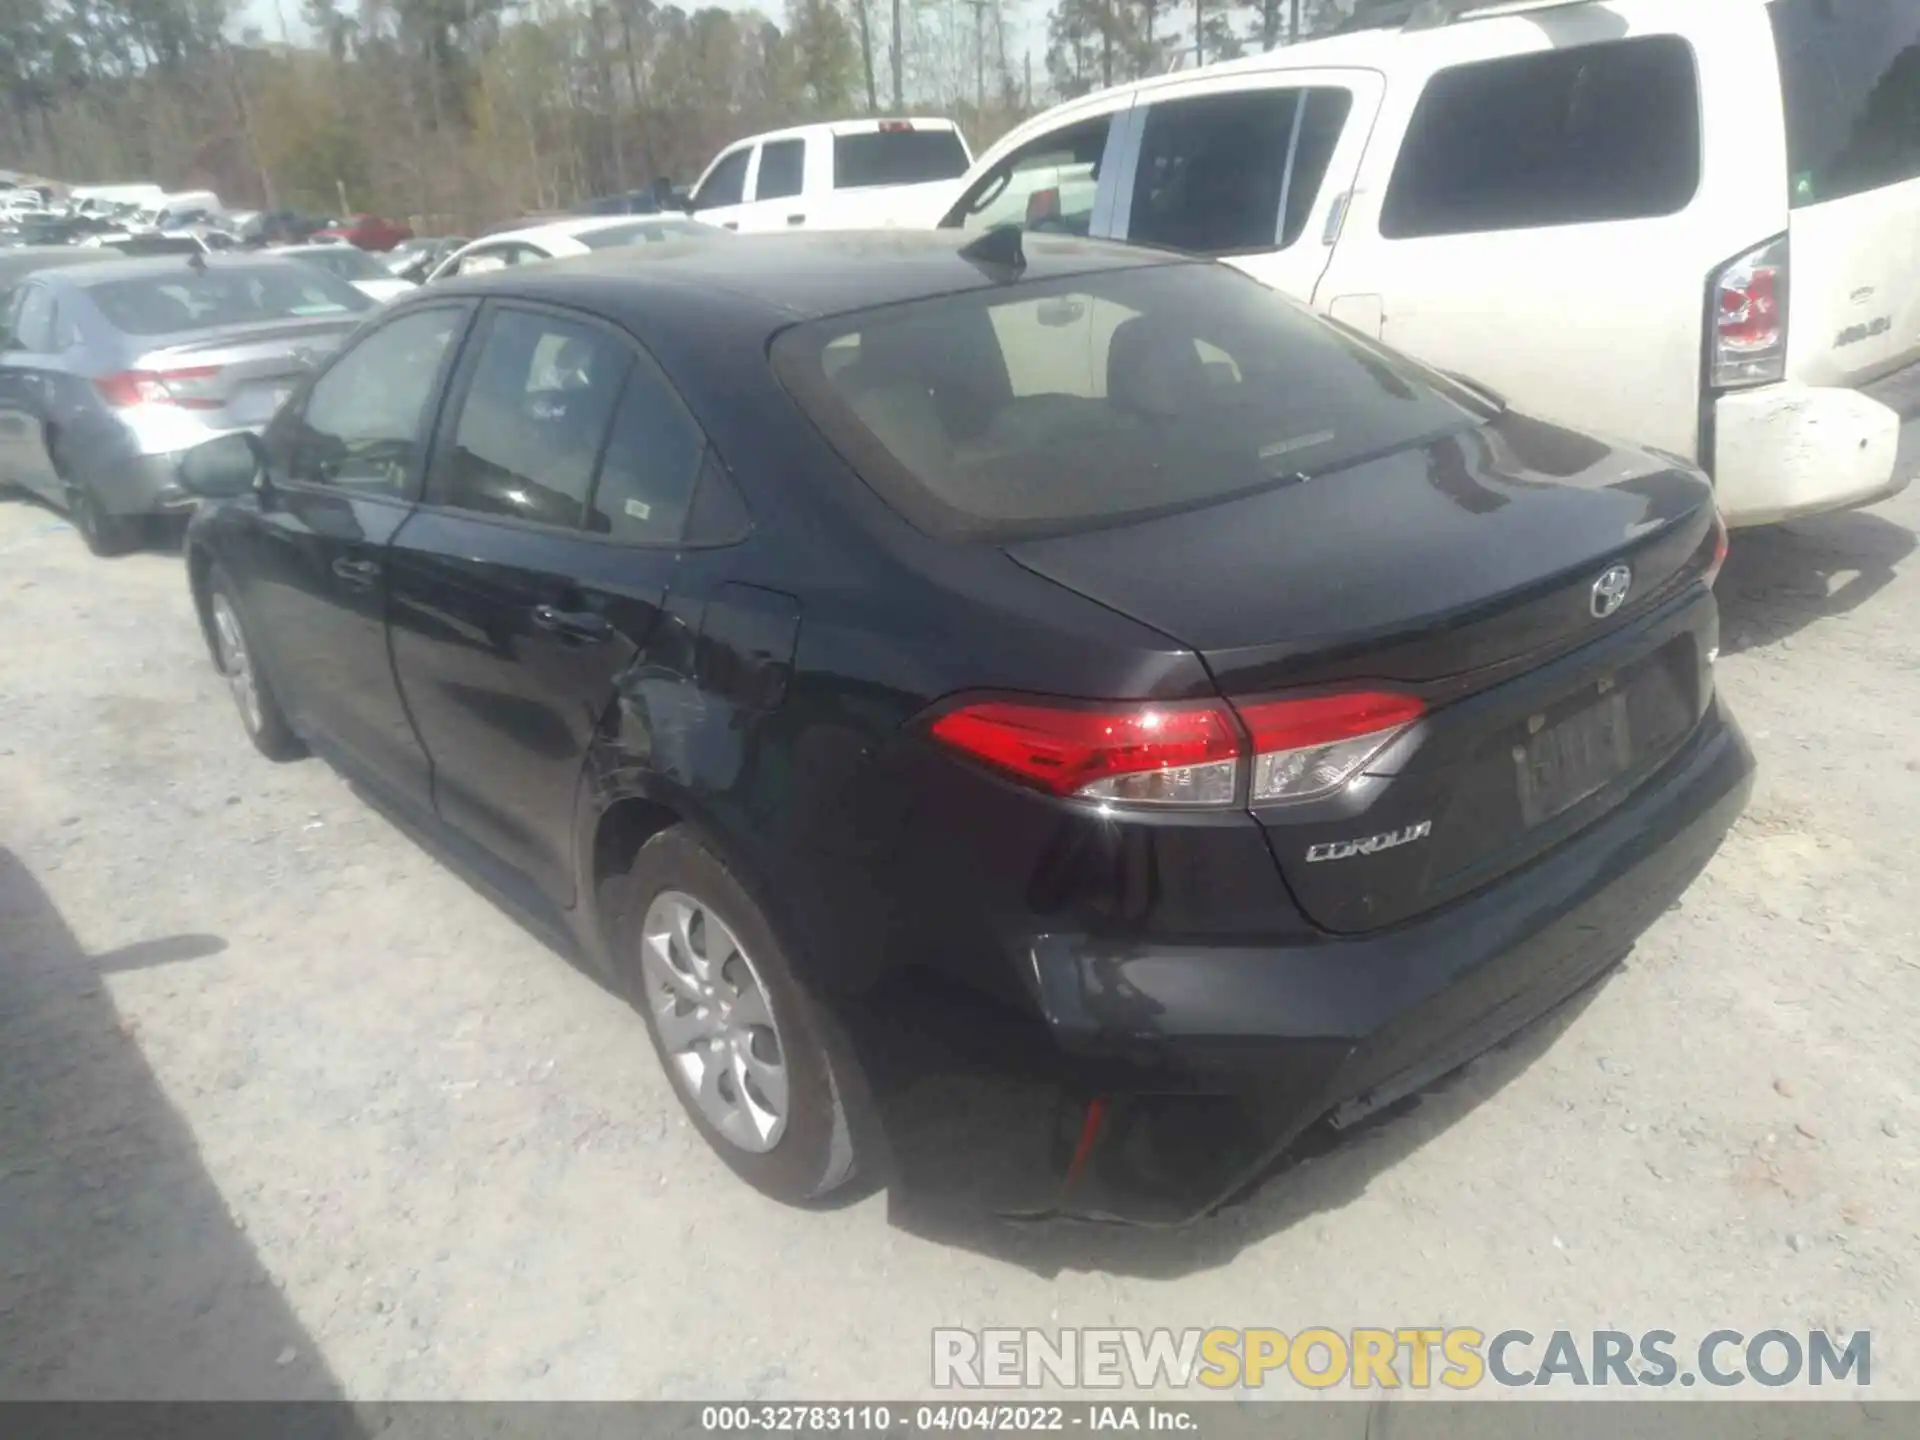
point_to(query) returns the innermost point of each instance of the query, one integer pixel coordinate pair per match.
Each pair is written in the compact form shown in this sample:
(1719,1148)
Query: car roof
(144,266)
(769,281)
(562,229)
(19,261)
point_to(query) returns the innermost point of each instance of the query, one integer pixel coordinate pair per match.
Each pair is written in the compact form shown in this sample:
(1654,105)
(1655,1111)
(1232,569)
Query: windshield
(189,299)
(347,262)
(896,157)
(1073,404)
(641,232)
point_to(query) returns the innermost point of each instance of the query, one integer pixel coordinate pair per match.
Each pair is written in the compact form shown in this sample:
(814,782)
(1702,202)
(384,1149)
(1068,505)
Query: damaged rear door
(534,575)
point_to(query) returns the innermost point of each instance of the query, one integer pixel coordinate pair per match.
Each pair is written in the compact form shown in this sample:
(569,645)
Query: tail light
(1720,547)
(1749,297)
(1043,205)
(1182,755)
(192,388)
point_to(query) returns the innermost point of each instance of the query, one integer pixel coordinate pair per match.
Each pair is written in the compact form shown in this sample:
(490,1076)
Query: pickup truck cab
(841,175)
(1693,226)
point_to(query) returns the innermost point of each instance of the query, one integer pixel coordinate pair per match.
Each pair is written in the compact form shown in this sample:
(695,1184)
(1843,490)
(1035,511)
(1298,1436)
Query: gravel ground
(287,1109)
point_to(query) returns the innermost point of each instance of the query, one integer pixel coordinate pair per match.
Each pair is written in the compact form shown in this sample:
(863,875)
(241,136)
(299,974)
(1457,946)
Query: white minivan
(1694,226)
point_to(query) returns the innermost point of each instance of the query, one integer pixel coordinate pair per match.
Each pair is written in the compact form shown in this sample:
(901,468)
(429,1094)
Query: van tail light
(1191,756)
(1749,318)
(193,388)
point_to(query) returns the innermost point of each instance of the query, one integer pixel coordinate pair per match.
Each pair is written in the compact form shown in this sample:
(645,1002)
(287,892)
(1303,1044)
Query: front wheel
(758,1064)
(237,659)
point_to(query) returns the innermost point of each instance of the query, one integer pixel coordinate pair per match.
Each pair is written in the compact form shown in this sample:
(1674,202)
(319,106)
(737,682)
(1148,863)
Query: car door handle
(796,219)
(574,624)
(731,225)
(356,572)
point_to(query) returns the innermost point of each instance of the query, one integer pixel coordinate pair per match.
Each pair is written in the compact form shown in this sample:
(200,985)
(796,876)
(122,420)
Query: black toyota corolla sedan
(1070,668)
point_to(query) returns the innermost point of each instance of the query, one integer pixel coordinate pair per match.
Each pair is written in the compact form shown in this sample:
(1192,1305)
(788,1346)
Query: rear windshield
(187,299)
(348,262)
(896,157)
(1850,78)
(1073,404)
(640,232)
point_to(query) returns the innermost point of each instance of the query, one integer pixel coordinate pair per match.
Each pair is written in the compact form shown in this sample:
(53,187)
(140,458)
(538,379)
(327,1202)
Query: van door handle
(796,219)
(574,624)
(356,572)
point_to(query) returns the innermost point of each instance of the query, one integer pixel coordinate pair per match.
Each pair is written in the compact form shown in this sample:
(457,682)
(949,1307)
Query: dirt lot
(286,1108)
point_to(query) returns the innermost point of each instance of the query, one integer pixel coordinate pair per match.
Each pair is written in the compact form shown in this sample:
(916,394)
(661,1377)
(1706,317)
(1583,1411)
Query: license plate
(1564,763)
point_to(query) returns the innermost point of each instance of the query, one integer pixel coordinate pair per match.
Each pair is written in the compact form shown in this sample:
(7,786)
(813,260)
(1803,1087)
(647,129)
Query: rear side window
(653,456)
(896,157)
(1561,137)
(1850,80)
(1073,404)
(33,320)
(782,163)
(1047,184)
(1216,170)
(533,420)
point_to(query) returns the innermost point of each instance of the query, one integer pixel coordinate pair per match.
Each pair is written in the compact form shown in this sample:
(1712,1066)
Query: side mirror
(222,468)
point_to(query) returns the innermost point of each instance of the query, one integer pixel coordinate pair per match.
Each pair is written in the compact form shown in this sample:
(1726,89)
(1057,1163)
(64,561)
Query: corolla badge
(1610,591)
(1371,845)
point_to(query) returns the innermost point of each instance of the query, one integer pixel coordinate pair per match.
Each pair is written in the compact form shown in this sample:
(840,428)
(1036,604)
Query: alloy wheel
(235,663)
(715,1021)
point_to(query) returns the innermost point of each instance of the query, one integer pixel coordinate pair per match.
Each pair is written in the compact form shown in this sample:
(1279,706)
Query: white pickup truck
(842,175)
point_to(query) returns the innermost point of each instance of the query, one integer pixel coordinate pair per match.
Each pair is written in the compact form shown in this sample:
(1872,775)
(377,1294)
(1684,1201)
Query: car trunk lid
(1469,573)
(237,375)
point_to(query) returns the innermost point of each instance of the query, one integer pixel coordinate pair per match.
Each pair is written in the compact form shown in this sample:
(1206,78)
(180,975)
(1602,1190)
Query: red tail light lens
(1183,755)
(191,388)
(1147,754)
(1749,340)
(1311,747)
(1043,205)
(1720,547)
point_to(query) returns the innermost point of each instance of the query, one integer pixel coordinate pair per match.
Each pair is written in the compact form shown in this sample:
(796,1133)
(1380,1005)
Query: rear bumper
(1786,450)
(142,485)
(1211,1061)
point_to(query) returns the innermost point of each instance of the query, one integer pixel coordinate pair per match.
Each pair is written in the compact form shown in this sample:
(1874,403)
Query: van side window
(1850,80)
(1214,169)
(1046,185)
(1562,137)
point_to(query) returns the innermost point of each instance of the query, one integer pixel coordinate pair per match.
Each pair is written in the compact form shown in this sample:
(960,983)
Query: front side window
(1046,185)
(725,183)
(1215,169)
(1560,137)
(533,420)
(1077,403)
(782,163)
(1850,81)
(363,422)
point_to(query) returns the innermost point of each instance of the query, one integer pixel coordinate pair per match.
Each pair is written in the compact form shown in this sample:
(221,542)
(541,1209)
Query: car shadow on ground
(123,1273)
(1779,579)
(1323,1171)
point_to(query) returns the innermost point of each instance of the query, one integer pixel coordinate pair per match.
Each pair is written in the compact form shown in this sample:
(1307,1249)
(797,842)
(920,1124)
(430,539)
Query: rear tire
(760,1067)
(106,534)
(236,656)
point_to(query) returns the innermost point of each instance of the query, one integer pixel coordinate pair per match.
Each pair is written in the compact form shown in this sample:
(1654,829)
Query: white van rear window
(1850,79)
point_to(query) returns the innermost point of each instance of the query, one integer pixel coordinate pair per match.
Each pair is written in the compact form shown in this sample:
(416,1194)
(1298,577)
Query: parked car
(845,175)
(1193,707)
(114,368)
(1697,231)
(351,264)
(369,232)
(558,238)
(280,227)
(419,257)
(653,199)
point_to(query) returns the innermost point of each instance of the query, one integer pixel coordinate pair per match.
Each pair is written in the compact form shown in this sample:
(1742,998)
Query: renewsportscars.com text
(1412,1357)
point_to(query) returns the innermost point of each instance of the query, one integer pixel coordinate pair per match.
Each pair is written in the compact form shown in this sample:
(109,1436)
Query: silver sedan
(110,370)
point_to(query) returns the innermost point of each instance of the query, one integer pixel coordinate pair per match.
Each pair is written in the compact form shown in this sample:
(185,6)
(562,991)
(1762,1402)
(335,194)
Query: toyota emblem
(1610,591)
